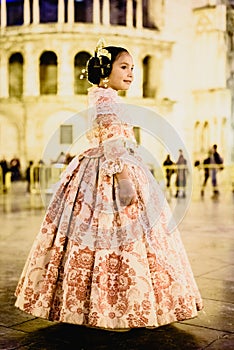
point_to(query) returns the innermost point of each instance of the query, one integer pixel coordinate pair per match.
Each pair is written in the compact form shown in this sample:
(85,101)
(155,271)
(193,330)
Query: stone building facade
(183,55)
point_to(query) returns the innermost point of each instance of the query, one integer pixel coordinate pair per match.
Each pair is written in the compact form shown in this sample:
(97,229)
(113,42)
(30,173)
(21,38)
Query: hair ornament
(101,51)
(83,74)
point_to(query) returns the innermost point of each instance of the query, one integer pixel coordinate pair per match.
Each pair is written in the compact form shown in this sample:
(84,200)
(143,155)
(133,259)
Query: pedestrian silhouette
(168,164)
(217,160)
(29,176)
(4,167)
(15,169)
(181,174)
(206,167)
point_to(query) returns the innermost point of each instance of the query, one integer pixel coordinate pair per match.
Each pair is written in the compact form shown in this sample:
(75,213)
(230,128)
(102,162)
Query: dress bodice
(107,117)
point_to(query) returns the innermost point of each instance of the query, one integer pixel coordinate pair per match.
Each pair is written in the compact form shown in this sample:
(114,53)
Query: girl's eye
(124,67)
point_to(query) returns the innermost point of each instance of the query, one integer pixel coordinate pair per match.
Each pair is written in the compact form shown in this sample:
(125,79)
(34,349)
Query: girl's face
(121,75)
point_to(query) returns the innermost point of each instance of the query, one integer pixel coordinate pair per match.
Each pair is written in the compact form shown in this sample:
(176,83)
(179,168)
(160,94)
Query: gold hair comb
(100,51)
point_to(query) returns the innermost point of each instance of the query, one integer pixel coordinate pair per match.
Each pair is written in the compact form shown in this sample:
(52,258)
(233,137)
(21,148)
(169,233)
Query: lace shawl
(110,128)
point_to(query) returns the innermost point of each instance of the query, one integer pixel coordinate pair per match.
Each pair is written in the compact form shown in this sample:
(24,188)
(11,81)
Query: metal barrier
(44,177)
(5,187)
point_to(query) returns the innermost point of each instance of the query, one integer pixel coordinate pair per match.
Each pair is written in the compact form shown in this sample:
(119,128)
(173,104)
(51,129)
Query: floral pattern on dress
(97,263)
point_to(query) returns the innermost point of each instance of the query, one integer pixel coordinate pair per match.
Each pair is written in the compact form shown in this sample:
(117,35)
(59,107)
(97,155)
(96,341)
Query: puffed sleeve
(112,135)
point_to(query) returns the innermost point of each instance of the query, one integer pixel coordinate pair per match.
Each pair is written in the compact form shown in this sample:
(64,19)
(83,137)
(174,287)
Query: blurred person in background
(181,175)
(168,163)
(5,169)
(15,169)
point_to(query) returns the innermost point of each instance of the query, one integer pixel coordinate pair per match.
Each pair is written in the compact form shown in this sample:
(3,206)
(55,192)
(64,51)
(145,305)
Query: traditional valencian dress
(100,264)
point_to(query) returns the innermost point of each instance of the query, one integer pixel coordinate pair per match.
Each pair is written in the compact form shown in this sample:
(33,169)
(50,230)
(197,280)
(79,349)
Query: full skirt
(97,263)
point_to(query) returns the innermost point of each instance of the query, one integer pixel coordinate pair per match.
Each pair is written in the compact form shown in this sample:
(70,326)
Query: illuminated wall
(182,64)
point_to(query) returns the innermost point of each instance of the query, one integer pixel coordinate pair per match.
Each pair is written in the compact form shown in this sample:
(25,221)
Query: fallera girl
(105,256)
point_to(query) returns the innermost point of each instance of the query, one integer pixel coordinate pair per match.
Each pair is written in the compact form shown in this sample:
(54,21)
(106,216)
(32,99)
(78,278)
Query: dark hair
(100,67)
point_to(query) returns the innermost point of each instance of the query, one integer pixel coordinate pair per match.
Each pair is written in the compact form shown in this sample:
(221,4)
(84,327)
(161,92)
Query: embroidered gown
(100,264)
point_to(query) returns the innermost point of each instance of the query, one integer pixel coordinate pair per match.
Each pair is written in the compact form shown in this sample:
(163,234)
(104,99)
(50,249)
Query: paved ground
(207,233)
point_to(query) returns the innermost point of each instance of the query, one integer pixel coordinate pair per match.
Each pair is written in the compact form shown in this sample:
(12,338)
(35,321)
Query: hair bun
(94,70)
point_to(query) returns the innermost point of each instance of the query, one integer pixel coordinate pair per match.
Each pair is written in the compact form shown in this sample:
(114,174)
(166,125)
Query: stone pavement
(207,233)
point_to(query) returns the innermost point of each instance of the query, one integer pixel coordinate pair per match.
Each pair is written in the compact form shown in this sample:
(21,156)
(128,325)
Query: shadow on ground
(65,336)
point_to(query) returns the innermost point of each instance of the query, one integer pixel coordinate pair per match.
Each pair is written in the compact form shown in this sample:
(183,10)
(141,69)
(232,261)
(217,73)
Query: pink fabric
(99,264)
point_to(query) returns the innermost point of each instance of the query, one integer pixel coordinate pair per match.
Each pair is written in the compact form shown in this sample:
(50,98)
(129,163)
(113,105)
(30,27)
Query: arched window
(15,12)
(81,84)
(48,73)
(83,11)
(147,90)
(48,11)
(16,75)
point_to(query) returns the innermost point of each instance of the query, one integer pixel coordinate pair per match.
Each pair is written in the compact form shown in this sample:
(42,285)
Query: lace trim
(111,167)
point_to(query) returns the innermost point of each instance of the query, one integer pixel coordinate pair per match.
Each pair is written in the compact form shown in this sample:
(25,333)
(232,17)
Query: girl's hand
(127,194)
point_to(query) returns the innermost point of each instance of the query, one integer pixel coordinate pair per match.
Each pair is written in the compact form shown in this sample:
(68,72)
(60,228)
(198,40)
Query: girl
(105,256)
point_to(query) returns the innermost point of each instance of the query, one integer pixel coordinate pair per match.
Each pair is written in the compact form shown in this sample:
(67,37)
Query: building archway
(81,84)
(148,89)
(48,73)
(16,62)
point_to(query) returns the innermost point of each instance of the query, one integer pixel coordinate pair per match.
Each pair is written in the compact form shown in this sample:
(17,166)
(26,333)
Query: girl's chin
(125,87)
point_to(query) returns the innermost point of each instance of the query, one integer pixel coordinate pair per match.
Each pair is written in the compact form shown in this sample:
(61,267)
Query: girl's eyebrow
(127,64)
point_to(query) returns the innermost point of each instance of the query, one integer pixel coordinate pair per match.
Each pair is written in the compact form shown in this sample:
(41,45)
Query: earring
(105,82)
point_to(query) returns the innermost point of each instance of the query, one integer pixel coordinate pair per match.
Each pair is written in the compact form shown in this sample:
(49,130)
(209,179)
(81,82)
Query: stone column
(60,11)
(3,14)
(70,10)
(106,12)
(65,72)
(129,19)
(36,12)
(4,82)
(26,12)
(139,14)
(31,72)
(96,11)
